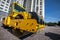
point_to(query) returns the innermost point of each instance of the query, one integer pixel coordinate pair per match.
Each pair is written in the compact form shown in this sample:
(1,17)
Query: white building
(4,5)
(30,5)
(4,8)
(35,6)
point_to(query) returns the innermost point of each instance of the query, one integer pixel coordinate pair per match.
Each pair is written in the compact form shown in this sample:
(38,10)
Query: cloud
(51,19)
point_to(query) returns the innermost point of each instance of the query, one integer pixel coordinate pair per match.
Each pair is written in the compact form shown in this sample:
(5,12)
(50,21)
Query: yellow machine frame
(24,24)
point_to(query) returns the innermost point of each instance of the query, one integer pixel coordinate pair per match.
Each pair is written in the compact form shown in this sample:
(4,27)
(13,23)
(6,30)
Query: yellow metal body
(24,24)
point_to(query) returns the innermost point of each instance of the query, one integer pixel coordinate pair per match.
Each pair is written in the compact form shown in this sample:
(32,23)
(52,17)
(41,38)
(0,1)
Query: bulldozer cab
(15,7)
(36,17)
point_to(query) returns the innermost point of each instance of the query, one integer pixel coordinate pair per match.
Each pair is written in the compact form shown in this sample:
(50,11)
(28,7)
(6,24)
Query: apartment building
(30,5)
(35,6)
(4,8)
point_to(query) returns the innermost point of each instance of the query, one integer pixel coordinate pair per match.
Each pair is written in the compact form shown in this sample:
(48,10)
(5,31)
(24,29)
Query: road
(49,33)
(5,35)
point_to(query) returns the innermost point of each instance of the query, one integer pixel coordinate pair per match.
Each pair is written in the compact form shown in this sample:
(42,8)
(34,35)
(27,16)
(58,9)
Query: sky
(52,10)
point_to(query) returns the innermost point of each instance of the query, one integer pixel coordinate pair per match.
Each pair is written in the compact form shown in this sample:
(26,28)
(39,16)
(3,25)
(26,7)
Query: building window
(3,2)
(2,5)
(34,6)
(5,9)
(40,0)
(7,4)
(40,12)
(24,3)
(8,1)
(37,9)
(40,3)
(37,2)
(40,8)
(1,8)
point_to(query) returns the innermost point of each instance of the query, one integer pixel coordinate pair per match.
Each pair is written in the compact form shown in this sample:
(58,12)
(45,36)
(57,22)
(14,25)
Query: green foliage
(51,24)
(58,23)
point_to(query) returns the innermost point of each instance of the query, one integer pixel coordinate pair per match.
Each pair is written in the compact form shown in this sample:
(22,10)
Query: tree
(58,23)
(51,23)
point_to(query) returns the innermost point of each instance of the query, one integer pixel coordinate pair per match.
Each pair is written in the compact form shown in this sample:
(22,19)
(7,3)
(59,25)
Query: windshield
(18,8)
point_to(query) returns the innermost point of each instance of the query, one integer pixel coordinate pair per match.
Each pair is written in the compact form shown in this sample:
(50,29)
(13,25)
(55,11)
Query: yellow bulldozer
(20,19)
